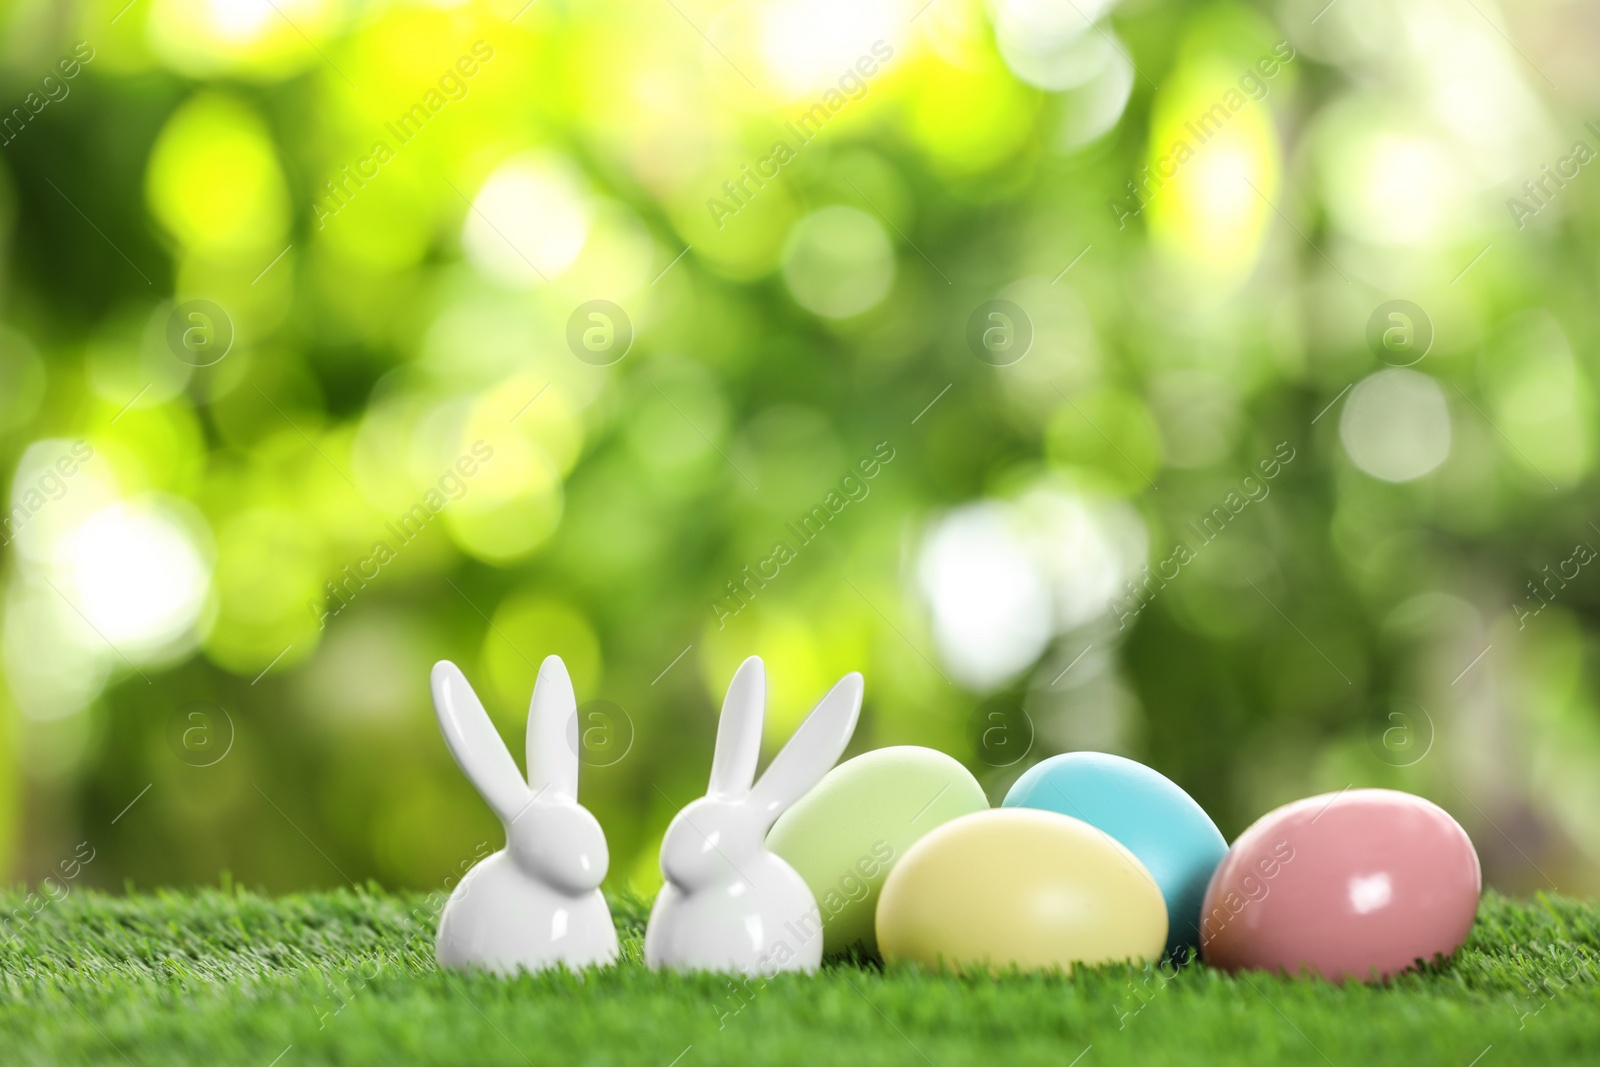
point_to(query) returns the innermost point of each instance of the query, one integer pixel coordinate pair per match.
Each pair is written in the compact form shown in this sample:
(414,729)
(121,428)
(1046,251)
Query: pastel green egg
(847,834)
(1020,887)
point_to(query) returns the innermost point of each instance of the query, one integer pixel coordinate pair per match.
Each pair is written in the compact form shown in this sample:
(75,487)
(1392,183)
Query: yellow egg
(1015,887)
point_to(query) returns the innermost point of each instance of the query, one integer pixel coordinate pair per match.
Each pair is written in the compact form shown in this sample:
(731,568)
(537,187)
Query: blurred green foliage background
(394,429)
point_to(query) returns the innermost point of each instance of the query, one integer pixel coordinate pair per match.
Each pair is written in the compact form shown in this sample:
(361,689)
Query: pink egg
(1359,884)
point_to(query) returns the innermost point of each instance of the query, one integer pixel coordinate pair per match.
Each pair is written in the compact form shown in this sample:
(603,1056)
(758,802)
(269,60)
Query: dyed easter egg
(1144,810)
(847,833)
(1015,887)
(1359,884)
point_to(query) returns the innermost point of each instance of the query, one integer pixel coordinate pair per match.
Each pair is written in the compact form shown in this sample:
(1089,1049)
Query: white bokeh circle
(1396,425)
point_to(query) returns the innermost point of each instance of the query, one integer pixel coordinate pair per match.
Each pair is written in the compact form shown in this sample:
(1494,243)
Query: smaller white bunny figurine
(536,903)
(729,904)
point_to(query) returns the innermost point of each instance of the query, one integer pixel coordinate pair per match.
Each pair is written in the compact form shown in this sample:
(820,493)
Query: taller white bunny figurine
(729,904)
(536,903)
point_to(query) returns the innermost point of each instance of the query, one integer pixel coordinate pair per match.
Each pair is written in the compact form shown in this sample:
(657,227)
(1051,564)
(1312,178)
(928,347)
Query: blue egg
(1144,810)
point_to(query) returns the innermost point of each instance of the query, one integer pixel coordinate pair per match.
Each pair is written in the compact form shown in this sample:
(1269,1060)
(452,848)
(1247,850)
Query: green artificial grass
(221,977)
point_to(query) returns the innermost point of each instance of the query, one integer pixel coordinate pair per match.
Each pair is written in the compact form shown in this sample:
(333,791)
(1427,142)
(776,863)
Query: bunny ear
(475,743)
(815,747)
(733,767)
(552,733)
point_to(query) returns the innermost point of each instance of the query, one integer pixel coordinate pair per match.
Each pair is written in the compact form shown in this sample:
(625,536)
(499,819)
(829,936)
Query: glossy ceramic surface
(1018,887)
(536,903)
(845,835)
(729,904)
(1359,885)
(1144,810)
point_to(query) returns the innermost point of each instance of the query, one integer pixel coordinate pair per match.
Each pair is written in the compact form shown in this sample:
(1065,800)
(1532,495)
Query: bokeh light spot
(1396,425)
(214,180)
(529,221)
(838,262)
(137,576)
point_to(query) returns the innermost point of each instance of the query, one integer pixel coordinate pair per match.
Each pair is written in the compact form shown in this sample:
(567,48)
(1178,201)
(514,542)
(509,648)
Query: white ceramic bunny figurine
(729,904)
(536,903)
